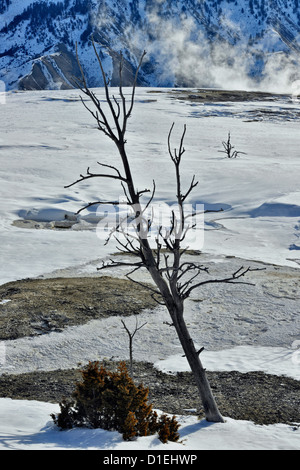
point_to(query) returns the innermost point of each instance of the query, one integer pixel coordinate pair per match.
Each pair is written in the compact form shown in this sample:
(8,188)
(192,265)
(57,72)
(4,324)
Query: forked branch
(233,279)
(89,175)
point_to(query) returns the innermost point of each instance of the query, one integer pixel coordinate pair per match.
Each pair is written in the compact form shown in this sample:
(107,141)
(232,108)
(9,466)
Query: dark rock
(254,396)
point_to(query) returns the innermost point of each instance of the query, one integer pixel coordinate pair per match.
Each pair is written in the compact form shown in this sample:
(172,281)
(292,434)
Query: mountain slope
(247,43)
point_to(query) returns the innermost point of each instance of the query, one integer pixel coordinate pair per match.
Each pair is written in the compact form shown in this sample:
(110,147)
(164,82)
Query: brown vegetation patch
(38,306)
(214,95)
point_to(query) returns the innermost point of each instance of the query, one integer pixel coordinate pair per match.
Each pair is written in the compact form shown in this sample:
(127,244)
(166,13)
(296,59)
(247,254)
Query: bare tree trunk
(176,310)
(208,401)
(172,283)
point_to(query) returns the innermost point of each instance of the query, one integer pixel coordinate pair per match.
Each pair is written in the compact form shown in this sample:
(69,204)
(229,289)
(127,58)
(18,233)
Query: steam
(184,57)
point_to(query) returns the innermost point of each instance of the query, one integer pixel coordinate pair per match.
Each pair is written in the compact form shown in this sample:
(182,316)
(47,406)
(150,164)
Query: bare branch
(151,197)
(136,328)
(108,99)
(168,323)
(192,186)
(233,279)
(103,124)
(97,203)
(117,264)
(127,236)
(145,286)
(158,301)
(113,168)
(134,87)
(96,175)
(184,268)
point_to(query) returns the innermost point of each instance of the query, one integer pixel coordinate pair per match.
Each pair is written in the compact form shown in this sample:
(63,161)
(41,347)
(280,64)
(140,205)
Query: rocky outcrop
(53,71)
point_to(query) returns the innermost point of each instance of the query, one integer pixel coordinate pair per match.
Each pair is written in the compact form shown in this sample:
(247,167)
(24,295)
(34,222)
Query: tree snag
(174,279)
(229,148)
(131,335)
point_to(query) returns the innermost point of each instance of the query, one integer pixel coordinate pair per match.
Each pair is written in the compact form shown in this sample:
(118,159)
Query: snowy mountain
(222,43)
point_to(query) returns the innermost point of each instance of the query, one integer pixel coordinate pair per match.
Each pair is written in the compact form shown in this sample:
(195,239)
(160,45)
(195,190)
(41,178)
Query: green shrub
(112,401)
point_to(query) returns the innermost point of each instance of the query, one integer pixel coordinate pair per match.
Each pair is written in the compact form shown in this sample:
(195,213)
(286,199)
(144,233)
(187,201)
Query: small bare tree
(229,148)
(131,335)
(173,279)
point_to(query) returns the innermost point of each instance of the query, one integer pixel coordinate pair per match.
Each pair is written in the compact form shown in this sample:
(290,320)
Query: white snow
(27,427)
(47,140)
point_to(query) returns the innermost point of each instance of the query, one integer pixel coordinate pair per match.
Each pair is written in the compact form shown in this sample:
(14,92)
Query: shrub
(112,401)
(167,429)
(66,418)
(129,428)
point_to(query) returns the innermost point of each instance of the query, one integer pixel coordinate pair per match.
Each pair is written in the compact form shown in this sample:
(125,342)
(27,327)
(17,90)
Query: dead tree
(131,335)
(173,279)
(229,148)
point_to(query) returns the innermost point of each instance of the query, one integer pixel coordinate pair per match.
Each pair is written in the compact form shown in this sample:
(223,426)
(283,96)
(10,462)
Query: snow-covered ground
(25,425)
(47,139)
